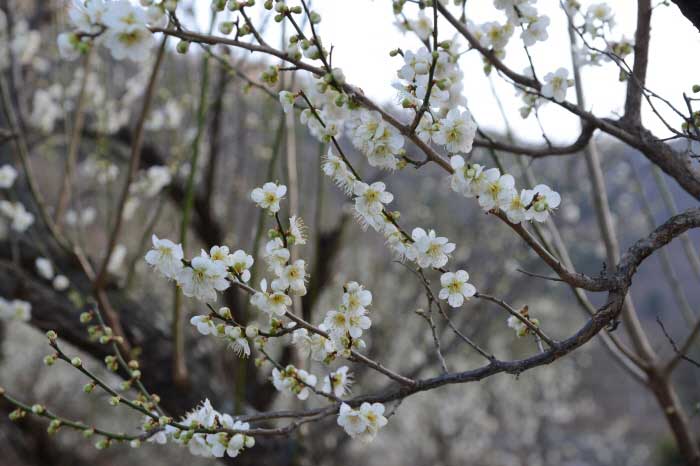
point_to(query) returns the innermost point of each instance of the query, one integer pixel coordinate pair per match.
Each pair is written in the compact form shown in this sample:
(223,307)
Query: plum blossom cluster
(434,80)
(16,215)
(596,24)
(235,335)
(362,423)
(207,445)
(329,114)
(518,325)
(45,269)
(8,175)
(496,191)
(16,309)
(346,324)
(120,25)
(338,382)
(298,382)
(203,276)
(12,214)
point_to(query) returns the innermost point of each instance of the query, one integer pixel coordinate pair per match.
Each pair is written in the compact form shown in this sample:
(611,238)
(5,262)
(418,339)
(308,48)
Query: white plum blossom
(269,196)
(210,445)
(540,200)
(165,256)
(219,254)
(20,218)
(86,16)
(536,31)
(237,340)
(457,131)
(202,279)
(351,420)
(370,201)
(344,322)
(511,202)
(297,230)
(293,380)
(455,288)
(205,324)
(520,328)
(314,345)
(495,35)
(336,168)
(496,191)
(338,382)
(60,283)
(466,178)
(427,127)
(363,423)
(356,298)
(127,35)
(428,249)
(292,277)
(422,25)
(287,100)
(44,268)
(495,185)
(276,255)
(415,64)
(8,174)
(556,84)
(517,11)
(15,310)
(274,302)
(597,16)
(240,262)
(375,138)
(153,181)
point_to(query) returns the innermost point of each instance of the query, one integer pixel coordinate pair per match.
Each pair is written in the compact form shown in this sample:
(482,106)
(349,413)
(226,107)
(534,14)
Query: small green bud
(76,362)
(85,317)
(51,335)
(115,400)
(89,387)
(183,46)
(50,360)
(38,409)
(17,414)
(226,27)
(54,425)
(696,87)
(87,433)
(102,444)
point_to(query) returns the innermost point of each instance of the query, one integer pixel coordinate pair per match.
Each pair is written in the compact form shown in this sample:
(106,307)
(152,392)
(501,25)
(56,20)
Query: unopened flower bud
(251,331)
(183,46)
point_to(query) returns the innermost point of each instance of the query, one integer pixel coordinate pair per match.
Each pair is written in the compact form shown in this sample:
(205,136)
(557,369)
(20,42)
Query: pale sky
(362,33)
